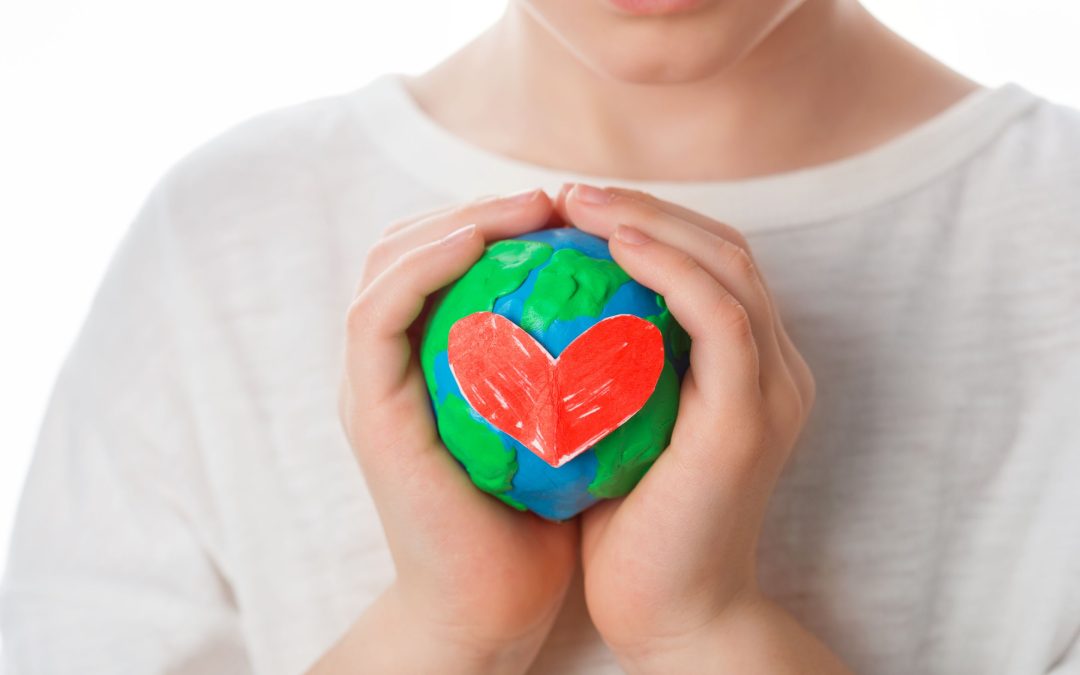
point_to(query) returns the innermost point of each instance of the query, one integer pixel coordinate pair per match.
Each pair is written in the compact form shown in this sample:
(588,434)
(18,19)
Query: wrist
(669,645)
(392,636)
(457,646)
(753,634)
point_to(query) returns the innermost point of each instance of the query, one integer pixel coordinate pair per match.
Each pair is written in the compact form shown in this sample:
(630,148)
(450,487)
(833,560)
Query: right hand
(478,584)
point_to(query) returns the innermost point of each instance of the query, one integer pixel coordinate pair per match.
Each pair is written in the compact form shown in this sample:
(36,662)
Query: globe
(555,284)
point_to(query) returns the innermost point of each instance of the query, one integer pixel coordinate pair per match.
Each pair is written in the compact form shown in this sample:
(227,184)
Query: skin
(440,615)
(741,88)
(734,89)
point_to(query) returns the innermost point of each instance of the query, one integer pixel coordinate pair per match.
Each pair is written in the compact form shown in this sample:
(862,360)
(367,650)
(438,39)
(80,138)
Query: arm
(109,570)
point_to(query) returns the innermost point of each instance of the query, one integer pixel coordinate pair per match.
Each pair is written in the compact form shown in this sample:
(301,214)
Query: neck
(826,83)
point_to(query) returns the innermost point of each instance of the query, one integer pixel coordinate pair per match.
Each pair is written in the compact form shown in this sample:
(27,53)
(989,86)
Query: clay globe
(555,285)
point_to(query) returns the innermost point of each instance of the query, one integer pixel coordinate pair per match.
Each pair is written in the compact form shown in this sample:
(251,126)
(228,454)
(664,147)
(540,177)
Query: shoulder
(1017,198)
(270,194)
(1017,204)
(1033,165)
(1048,131)
(229,222)
(280,156)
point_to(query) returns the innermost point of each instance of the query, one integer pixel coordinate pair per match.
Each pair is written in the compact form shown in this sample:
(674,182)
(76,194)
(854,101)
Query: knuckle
(734,236)
(687,266)
(358,315)
(409,260)
(739,239)
(739,261)
(631,206)
(730,316)
(380,253)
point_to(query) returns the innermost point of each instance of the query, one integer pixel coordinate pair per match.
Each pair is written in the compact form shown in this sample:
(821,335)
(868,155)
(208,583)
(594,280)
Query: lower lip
(653,7)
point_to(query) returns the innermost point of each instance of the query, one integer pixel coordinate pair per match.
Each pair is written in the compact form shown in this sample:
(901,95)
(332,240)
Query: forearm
(388,638)
(758,638)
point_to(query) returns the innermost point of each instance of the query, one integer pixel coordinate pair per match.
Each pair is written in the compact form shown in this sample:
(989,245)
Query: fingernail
(591,195)
(522,197)
(631,235)
(459,235)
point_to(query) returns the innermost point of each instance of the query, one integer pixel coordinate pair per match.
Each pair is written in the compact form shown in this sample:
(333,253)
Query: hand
(478,584)
(670,568)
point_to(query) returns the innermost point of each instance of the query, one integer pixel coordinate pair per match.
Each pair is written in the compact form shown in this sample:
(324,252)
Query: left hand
(676,557)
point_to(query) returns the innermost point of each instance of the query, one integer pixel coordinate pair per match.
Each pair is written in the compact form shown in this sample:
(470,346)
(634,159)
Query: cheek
(662,49)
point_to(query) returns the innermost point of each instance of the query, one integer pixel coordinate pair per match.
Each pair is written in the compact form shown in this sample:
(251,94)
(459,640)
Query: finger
(402,223)
(558,203)
(599,211)
(497,218)
(794,365)
(734,236)
(794,369)
(377,348)
(793,360)
(722,341)
(558,217)
(705,222)
(800,372)
(689,215)
(787,349)
(524,198)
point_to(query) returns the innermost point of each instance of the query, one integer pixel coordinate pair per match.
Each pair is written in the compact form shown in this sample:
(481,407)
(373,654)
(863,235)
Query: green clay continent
(572,285)
(677,339)
(500,271)
(626,454)
(490,464)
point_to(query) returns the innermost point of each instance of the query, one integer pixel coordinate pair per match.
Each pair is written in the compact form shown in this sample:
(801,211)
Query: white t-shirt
(193,506)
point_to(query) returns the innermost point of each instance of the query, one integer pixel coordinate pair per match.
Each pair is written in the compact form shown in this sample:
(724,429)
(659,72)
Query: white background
(98,99)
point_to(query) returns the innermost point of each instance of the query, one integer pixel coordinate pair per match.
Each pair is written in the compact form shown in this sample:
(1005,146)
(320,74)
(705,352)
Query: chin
(658,62)
(660,49)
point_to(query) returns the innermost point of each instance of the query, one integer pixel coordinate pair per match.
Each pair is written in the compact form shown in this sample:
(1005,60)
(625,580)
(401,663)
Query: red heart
(556,407)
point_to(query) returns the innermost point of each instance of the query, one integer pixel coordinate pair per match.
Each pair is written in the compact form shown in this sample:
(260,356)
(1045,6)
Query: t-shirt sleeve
(114,565)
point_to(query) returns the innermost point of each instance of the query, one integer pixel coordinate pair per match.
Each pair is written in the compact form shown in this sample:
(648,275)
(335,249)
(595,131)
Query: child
(874,461)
